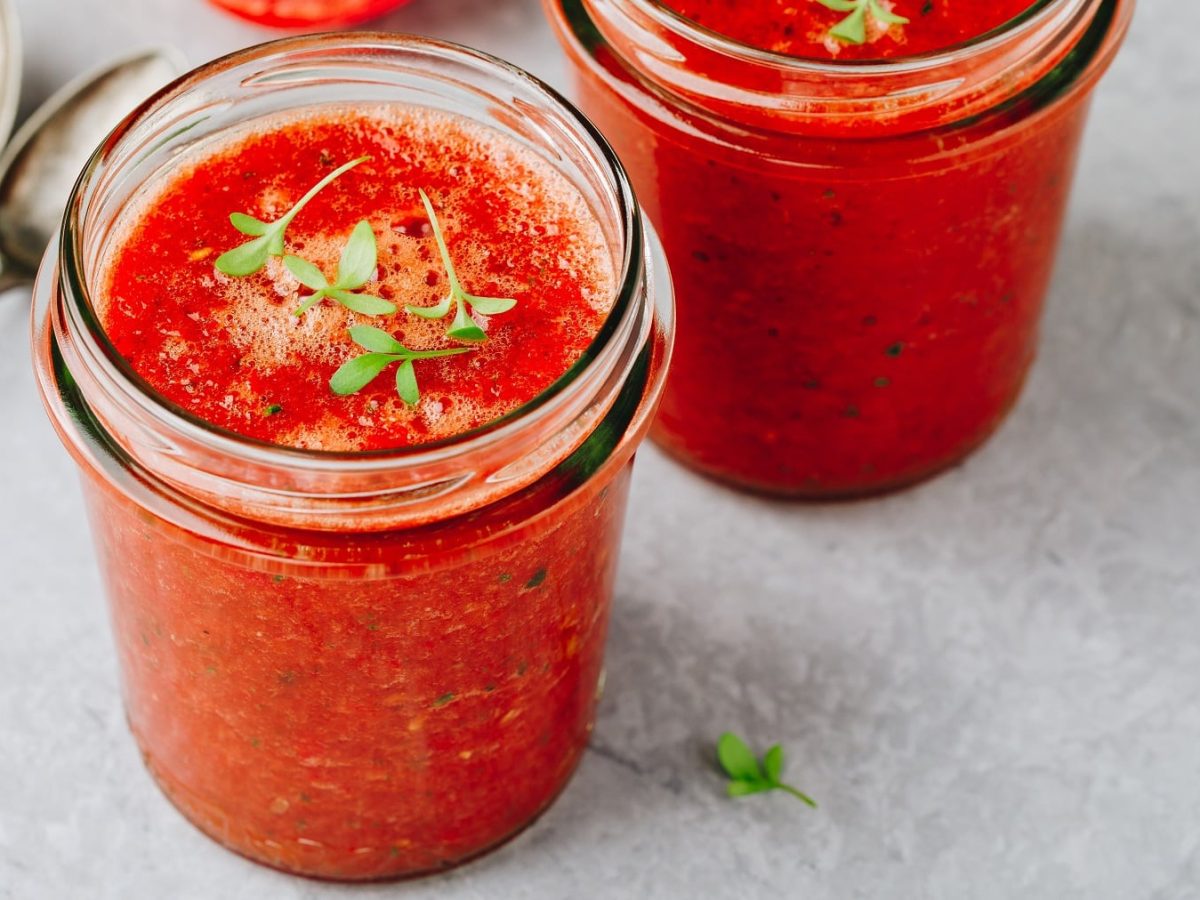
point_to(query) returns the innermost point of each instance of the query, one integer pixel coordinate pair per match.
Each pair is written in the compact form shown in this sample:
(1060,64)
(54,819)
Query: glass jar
(860,250)
(308,13)
(356,665)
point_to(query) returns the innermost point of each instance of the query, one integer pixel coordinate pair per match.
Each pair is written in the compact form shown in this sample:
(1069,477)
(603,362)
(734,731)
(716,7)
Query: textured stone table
(991,683)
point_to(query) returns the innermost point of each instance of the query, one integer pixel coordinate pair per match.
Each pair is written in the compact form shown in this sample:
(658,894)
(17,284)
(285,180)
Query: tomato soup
(232,350)
(308,13)
(806,27)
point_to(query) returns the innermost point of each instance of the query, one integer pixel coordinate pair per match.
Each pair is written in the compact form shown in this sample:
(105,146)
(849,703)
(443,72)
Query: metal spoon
(40,165)
(10,67)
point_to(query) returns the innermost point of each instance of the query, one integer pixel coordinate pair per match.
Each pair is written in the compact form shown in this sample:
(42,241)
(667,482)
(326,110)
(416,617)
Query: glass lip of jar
(629,295)
(722,84)
(1027,20)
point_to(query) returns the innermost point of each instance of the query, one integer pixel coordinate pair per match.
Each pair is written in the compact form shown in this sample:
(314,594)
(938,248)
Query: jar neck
(723,79)
(340,491)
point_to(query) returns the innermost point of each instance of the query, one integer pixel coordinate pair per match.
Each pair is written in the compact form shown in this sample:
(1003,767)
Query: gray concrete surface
(991,683)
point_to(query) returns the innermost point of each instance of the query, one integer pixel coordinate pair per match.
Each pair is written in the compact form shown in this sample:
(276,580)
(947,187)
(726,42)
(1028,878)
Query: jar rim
(1027,20)
(723,83)
(629,282)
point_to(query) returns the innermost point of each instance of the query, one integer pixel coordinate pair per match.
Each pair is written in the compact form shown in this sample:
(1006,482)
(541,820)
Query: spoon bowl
(39,166)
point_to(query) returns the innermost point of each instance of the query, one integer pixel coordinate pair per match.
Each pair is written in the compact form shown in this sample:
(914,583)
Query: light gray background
(991,683)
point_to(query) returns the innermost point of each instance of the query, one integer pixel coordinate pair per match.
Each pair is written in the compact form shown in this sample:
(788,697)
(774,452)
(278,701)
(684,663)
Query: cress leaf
(309,302)
(406,383)
(742,788)
(245,259)
(248,224)
(853,28)
(467,333)
(376,340)
(738,761)
(432,312)
(464,328)
(773,764)
(305,272)
(367,304)
(490,306)
(443,250)
(357,373)
(359,258)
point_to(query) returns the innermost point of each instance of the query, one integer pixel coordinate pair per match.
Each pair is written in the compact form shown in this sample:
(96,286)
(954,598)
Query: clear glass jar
(364,665)
(860,250)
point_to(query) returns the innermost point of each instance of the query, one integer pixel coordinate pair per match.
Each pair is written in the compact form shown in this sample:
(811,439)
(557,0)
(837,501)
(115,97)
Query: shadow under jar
(356,665)
(860,250)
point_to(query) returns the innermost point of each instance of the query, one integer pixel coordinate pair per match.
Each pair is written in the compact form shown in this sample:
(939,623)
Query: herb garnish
(747,776)
(357,265)
(853,28)
(463,328)
(251,256)
(384,349)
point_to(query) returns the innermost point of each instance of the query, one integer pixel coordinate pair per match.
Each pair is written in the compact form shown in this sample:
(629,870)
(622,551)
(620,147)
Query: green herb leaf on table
(773,764)
(738,761)
(384,350)
(355,268)
(744,788)
(464,327)
(251,256)
(853,28)
(747,775)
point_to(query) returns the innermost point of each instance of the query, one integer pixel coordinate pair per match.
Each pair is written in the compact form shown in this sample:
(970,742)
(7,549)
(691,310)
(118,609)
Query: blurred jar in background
(860,248)
(307,13)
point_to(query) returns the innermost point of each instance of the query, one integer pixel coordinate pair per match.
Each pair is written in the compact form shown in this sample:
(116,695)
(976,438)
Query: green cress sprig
(357,373)
(747,776)
(355,268)
(853,28)
(463,328)
(248,258)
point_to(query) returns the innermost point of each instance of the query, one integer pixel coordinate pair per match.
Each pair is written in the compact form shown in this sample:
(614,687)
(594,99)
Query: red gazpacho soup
(348,283)
(811,28)
(236,352)
(308,13)
(860,250)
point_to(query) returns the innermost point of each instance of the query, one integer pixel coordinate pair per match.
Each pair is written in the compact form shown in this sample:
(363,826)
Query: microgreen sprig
(248,258)
(463,328)
(747,776)
(853,28)
(384,349)
(355,268)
